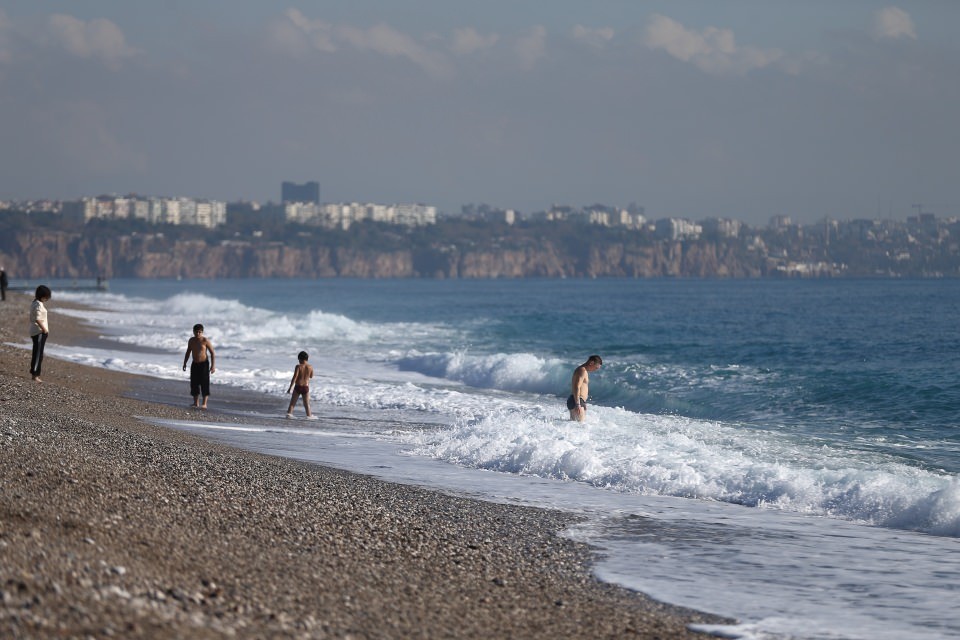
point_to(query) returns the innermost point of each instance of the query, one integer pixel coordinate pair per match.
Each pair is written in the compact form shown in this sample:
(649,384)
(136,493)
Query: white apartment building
(598,216)
(381,213)
(416,215)
(606,216)
(121,208)
(723,227)
(677,229)
(188,211)
(210,213)
(631,220)
(340,215)
(140,210)
(156,211)
(170,211)
(329,216)
(207,213)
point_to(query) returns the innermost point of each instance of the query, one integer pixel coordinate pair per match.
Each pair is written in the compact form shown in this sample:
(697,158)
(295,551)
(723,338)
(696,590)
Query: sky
(743,109)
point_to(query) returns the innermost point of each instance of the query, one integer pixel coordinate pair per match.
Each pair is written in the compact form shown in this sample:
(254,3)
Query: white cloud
(712,50)
(99,38)
(296,34)
(467,41)
(532,46)
(893,23)
(595,37)
(388,41)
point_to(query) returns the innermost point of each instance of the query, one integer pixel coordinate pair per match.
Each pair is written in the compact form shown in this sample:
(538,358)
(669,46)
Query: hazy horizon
(737,109)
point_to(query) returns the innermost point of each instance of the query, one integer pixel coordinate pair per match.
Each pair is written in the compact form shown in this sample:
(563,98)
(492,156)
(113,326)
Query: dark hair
(43,291)
(197,326)
(594,360)
(302,356)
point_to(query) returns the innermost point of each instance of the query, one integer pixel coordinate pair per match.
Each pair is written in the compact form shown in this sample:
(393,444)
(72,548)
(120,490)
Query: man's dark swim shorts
(572,404)
(200,378)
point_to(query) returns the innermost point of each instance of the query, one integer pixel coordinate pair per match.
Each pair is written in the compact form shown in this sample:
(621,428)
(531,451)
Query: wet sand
(113,527)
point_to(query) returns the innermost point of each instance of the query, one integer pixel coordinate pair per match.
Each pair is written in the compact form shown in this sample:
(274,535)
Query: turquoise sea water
(778,435)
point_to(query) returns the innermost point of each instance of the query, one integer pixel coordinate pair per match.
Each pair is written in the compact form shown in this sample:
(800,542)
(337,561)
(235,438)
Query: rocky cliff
(53,254)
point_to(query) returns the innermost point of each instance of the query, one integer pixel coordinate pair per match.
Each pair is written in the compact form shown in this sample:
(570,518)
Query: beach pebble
(122,528)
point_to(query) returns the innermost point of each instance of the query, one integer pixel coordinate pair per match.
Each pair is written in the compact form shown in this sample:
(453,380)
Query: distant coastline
(32,247)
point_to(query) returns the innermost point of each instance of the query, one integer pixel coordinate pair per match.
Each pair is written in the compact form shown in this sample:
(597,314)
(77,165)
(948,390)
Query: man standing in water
(198,346)
(580,388)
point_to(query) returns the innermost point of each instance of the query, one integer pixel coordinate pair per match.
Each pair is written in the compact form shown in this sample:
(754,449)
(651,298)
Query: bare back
(302,374)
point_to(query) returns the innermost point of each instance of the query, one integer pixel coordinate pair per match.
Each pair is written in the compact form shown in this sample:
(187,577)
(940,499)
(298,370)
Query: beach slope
(110,526)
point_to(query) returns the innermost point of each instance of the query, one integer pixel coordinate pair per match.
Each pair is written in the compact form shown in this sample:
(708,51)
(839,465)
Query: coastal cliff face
(79,255)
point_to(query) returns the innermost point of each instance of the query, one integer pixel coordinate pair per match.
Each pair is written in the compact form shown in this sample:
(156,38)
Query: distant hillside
(456,249)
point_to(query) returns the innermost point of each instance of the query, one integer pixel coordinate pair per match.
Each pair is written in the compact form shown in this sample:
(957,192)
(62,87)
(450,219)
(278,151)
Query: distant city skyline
(309,211)
(738,109)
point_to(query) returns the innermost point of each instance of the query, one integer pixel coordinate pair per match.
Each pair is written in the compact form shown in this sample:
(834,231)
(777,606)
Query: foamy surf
(744,448)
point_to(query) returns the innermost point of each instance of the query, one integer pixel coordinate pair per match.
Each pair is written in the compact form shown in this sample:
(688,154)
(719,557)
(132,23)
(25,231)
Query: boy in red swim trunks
(300,384)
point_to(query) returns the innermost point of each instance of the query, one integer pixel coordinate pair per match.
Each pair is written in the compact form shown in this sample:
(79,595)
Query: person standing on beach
(198,346)
(3,284)
(39,329)
(300,384)
(580,388)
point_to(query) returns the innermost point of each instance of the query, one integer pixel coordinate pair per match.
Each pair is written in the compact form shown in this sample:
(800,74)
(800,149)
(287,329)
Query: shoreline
(110,525)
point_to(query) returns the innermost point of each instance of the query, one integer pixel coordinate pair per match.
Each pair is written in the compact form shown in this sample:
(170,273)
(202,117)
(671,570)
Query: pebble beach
(113,527)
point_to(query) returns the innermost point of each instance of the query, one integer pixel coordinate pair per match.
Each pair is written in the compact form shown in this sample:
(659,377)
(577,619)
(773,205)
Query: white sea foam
(506,372)
(673,456)
(502,413)
(783,575)
(739,518)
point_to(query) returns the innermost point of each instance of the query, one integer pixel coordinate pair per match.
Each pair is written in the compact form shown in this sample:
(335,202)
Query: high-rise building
(306,192)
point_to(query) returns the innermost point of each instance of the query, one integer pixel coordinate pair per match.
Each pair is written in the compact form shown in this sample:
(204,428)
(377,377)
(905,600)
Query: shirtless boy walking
(198,346)
(580,388)
(300,384)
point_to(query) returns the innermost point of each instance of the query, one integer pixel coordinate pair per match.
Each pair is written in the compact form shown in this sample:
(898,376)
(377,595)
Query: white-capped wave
(167,323)
(672,456)
(505,411)
(506,372)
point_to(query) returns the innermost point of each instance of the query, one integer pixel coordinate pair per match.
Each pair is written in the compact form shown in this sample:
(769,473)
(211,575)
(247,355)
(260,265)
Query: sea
(784,453)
